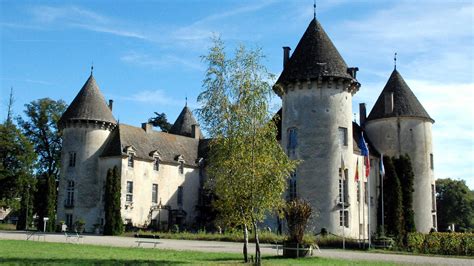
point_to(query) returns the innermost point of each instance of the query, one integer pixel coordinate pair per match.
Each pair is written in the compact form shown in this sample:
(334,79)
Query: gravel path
(218,246)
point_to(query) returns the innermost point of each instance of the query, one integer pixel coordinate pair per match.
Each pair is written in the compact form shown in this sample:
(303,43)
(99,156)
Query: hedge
(442,243)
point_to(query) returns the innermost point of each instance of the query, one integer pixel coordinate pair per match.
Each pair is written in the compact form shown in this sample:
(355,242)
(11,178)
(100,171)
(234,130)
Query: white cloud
(165,61)
(159,97)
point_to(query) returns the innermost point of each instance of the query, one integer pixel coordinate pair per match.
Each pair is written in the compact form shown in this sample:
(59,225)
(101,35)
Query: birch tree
(247,167)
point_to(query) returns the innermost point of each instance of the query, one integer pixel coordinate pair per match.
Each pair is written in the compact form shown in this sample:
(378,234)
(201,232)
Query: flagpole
(382,173)
(343,175)
(368,203)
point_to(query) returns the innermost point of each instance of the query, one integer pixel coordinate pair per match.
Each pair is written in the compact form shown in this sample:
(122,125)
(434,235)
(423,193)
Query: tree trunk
(246,243)
(258,261)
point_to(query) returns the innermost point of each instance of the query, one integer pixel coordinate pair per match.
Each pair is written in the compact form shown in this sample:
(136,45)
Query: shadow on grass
(34,261)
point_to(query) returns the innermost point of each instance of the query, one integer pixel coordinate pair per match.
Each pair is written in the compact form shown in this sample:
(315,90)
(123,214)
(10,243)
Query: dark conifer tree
(393,207)
(407,178)
(113,219)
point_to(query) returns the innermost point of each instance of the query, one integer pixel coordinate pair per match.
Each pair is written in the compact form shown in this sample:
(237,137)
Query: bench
(74,236)
(36,234)
(139,242)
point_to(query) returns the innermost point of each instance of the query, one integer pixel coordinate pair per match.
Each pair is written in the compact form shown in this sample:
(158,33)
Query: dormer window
(131,160)
(180,160)
(131,151)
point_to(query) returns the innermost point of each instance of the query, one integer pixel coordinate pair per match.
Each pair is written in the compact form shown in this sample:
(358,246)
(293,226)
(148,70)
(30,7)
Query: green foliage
(113,218)
(407,178)
(16,172)
(247,167)
(393,205)
(297,214)
(454,204)
(41,128)
(161,121)
(442,243)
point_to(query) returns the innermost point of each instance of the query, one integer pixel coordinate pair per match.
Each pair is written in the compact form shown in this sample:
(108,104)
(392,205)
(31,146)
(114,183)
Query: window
(131,160)
(343,136)
(72,159)
(344,218)
(434,221)
(292,140)
(69,194)
(156,164)
(181,167)
(69,220)
(154,193)
(292,187)
(343,182)
(433,197)
(431,161)
(180,196)
(129,196)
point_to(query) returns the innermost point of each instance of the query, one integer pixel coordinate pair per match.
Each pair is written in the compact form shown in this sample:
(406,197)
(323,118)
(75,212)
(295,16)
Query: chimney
(148,127)
(195,131)
(352,71)
(362,114)
(111,104)
(286,55)
(388,102)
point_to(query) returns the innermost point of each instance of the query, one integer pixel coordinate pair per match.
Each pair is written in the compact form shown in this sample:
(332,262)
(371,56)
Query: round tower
(85,127)
(398,125)
(316,89)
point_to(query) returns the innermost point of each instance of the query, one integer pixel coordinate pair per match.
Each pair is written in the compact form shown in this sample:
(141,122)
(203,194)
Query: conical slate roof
(405,102)
(315,56)
(183,124)
(89,104)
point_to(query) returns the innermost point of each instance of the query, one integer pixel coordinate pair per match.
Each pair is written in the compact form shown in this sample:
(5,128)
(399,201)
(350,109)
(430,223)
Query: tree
(247,167)
(393,205)
(407,178)
(41,128)
(454,204)
(16,170)
(161,121)
(113,218)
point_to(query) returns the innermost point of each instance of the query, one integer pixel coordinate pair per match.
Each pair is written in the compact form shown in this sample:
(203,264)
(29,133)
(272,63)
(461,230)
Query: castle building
(162,174)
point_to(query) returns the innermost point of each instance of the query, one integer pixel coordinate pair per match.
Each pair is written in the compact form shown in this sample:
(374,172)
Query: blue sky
(146,54)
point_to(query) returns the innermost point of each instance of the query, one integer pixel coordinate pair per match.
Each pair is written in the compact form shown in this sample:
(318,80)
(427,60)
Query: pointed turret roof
(89,104)
(405,102)
(315,56)
(183,124)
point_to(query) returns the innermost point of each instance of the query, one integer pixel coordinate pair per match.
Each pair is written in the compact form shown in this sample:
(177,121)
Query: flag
(367,166)
(364,150)
(382,168)
(357,171)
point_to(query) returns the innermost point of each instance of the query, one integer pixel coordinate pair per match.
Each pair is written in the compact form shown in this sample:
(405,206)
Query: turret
(186,125)
(85,126)
(398,125)
(316,89)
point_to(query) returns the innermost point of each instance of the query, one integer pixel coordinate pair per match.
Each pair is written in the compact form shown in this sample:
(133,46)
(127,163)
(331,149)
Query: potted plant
(297,213)
(79,226)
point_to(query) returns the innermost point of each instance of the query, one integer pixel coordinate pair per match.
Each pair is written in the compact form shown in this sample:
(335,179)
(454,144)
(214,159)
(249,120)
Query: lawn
(29,252)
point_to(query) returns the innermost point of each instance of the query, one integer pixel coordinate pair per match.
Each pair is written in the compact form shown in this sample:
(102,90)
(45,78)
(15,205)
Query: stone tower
(316,89)
(397,125)
(85,126)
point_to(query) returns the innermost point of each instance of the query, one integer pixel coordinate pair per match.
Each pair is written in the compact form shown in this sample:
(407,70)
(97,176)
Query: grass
(19,252)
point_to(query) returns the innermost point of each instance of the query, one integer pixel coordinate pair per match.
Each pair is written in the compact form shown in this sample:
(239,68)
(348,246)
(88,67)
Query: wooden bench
(75,236)
(139,242)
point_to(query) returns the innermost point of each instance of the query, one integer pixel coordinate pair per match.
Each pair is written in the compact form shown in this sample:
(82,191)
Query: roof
(315,56)
(356,131)
(168,146)
(405,103)
(184,123)
(89,104)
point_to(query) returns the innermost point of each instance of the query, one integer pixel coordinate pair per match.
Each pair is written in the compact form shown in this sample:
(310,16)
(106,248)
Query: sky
(147,54)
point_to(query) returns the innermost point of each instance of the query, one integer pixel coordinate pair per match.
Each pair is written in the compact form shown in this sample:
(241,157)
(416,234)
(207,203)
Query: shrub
(297,213)
(442,243)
